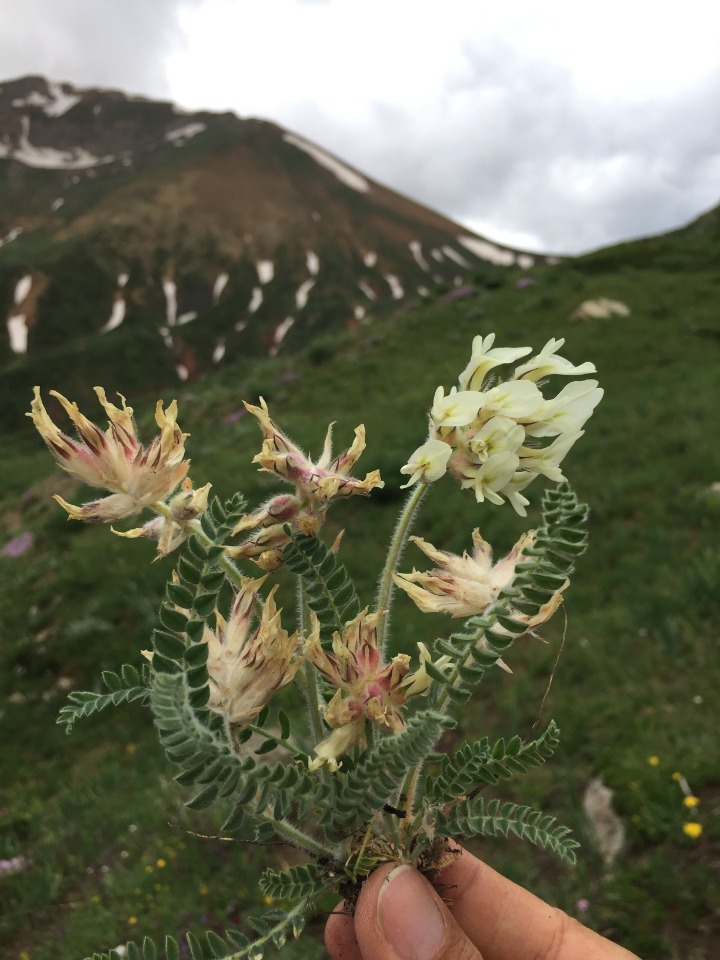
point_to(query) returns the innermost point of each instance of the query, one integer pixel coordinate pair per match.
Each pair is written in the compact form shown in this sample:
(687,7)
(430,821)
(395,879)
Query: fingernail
(408,915)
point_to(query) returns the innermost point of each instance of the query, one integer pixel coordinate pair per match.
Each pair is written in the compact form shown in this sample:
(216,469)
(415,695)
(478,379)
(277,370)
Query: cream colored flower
(547,460)
(457,409)
(484,359)
(428,463)
(549,364)
(115,459)
(247,666)
(568,411)
(462,586)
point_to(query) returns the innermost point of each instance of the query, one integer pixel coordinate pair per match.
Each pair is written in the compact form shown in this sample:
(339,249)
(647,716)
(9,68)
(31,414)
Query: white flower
(428,463)
(518,482)
(547,364)
(547,460)
(519,399)
(457,409)
(568,411)
(491,476)
(483,360)
(498,434)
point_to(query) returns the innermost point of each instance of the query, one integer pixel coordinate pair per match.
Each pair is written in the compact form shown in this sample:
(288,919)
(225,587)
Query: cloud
(545,126)
(97,43)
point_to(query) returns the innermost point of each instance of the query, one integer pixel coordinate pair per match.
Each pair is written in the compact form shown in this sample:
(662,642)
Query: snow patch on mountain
(280,334)
(170,291)
(181,135)
(313,262)
(265,270)
(347,176)
(22,288)
(117,316)
(255,300)
(219,285)
(219,351)
(49,158)
(486,250)
(18,333)
(54,103)
(301,294)
(454,255)
(186,317)
(396,287)
(56,204)
(367,290)
(416,250)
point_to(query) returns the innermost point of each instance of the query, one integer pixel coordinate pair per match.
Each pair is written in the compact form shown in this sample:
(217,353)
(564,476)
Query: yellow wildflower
(692,830)
(690,802)
(653,761)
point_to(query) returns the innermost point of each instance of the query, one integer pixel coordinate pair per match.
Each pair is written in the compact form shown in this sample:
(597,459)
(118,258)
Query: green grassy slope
(98,814)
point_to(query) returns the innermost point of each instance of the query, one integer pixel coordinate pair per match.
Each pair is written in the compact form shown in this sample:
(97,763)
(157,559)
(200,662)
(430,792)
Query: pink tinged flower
(548,364)
(320,482)
(428,463)
(462,586)
(568,411)
(367,689)
(114,459)
(247,666)
(484,359)
(170,531)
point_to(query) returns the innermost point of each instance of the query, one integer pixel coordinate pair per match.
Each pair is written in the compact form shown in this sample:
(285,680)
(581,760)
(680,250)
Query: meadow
(95,824)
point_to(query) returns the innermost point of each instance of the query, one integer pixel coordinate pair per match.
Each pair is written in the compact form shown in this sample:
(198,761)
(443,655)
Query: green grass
(638,675)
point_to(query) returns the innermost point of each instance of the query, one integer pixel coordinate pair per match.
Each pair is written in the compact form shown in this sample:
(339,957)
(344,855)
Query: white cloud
(556,125)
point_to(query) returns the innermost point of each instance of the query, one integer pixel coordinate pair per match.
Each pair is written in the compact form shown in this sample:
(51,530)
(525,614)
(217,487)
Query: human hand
(399,916)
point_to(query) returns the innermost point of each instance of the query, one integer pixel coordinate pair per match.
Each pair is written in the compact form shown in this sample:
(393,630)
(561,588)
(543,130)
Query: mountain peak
(210,236)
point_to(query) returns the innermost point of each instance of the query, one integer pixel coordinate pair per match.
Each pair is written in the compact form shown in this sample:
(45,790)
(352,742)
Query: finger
(400,917)
(340,938)
(506,922)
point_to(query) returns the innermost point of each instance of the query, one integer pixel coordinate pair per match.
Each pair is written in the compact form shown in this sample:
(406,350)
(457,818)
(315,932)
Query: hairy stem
(299,838)
(399,539)
(308,682)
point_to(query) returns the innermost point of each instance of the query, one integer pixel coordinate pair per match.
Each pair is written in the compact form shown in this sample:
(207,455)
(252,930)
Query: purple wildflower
(18,545)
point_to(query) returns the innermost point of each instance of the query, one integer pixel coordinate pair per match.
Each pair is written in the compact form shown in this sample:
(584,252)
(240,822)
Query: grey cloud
(96,43)
(512,144)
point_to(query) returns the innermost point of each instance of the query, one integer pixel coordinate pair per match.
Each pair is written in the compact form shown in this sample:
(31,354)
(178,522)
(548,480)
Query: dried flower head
(247,666)
(367,689)
(115,459)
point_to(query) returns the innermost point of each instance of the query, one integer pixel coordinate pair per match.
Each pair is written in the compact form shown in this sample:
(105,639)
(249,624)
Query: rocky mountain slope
(181,241)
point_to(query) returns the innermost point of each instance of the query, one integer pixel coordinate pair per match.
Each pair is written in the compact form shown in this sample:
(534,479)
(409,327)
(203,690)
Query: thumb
(400,917)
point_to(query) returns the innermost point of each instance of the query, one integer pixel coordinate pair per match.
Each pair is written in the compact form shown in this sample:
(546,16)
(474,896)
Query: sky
(549,125)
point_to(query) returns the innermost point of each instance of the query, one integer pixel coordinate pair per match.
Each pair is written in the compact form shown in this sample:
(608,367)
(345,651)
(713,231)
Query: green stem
(298,838)
(291,747)
(384,597)
(309,677)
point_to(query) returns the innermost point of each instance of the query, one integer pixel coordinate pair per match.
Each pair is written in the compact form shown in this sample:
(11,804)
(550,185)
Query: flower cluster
(247,666)
(367,689)
(115,459)
(316,485)
(497,437)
